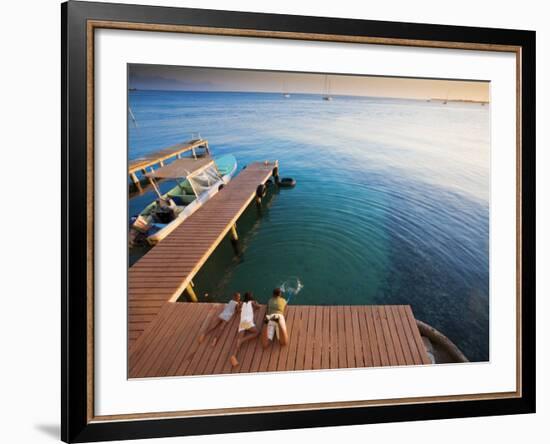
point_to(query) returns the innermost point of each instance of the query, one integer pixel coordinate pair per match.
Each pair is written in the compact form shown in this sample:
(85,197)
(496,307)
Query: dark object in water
(261,190)
(287,182)
(439,347)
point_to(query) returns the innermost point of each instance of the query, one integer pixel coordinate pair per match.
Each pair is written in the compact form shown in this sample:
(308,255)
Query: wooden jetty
(167,270)
(321,337)
(163,333)
(159,157)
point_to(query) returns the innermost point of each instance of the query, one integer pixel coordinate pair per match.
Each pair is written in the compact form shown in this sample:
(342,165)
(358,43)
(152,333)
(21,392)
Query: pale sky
(176,78)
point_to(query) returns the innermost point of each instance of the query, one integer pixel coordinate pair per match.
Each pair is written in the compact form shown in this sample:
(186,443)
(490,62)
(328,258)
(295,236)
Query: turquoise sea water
(391,205)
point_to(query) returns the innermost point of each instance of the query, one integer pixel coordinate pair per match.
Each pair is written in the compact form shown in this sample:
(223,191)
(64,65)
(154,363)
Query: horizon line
(131,89)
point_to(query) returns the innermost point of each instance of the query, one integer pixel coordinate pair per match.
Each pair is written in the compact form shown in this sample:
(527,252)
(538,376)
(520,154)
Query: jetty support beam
(234,234)
(276,175)
(191,293)
(136,182)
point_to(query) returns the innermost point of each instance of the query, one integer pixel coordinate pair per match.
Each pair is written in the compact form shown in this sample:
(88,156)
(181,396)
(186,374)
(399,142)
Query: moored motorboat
(198,180)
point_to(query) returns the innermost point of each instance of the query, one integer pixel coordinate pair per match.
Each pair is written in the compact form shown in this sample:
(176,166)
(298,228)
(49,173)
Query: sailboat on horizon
(286,94)
(327,95)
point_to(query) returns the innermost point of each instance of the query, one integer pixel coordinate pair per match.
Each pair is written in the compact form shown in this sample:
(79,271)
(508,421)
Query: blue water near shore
(391,206)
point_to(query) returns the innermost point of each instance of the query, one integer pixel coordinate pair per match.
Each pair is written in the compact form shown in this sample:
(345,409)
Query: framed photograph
(276,221)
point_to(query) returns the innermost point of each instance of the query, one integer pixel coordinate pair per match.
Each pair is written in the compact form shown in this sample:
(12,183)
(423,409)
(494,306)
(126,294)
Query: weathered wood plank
(350,339)
(310,338)
(416,335)
(386,334)
(301,350)
(325,349)
(373,338)
(357,340)
(394,336)
(296,338)
(341,331)
(318,338)
(333,339)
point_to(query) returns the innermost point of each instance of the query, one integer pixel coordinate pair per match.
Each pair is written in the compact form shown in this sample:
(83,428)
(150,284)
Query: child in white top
(247,328)
(223,318)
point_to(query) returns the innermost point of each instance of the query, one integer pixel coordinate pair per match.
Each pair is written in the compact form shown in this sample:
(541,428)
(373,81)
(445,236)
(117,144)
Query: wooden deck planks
(321,337)
(164,272)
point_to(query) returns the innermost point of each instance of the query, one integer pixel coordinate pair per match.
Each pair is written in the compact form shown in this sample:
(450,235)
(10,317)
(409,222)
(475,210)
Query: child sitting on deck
(274,322)
(223,318)
(247,329)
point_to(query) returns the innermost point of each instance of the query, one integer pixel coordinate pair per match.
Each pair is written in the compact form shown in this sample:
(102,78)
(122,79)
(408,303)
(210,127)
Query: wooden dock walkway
(162,274)
(159,157)
(321,337)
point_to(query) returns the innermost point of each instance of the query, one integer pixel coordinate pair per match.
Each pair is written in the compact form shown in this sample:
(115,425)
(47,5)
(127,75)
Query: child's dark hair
(277,292)
(248,296)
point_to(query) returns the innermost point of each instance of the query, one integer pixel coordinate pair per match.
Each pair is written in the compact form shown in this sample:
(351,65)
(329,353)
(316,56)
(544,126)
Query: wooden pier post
(234,234)
(235,240)
(191,293)
(136,181)
(276,175)
(261,191)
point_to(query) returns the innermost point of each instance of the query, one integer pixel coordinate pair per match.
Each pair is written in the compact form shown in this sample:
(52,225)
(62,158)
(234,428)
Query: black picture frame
(77,425)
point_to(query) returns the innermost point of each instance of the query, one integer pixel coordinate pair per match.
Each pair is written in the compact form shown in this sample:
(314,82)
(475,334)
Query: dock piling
(136,182)
(191,293)
(234,234)
(276,175)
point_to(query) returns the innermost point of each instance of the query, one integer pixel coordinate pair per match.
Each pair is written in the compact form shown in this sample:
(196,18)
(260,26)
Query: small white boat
(286,94)
(327,95)
(198,180)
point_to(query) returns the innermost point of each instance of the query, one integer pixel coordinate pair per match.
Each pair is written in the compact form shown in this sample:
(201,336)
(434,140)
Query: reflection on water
(391,206)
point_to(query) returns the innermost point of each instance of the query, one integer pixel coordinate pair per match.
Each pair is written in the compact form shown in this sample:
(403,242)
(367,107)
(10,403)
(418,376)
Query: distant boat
(286,94)
(327,95)
(132,89)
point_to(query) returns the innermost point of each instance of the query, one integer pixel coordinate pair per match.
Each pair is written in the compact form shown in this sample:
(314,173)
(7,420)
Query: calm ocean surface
(391,205)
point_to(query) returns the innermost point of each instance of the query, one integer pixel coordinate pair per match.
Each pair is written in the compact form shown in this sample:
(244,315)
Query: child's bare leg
(265,338)
(283,332)
(233,357)
(213,325)
(219,332)
(242,337)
